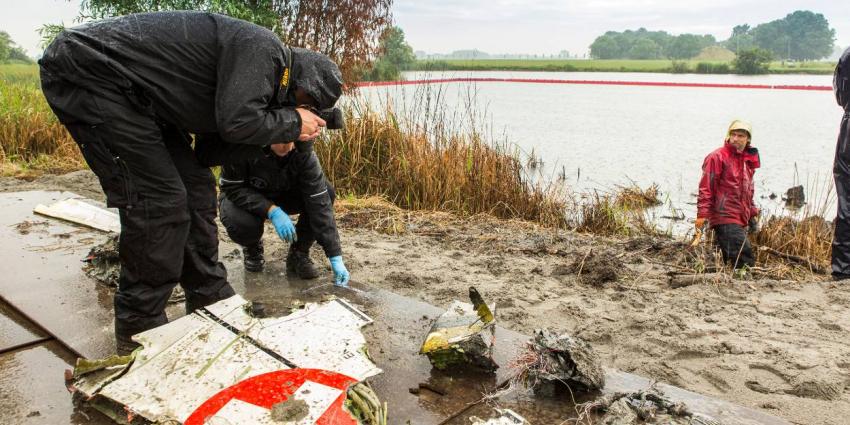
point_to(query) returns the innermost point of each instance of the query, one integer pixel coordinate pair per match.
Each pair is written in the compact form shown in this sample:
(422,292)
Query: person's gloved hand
(700,223)
(282,224)
(753,224)
(341,275)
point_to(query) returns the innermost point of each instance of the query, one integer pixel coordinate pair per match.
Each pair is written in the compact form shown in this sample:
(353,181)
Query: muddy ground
(777,345)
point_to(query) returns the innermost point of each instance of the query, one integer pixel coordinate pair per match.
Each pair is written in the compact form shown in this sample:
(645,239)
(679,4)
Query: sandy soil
(779,346)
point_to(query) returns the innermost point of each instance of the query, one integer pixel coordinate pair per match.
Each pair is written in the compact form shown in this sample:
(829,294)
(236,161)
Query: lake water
(602,136)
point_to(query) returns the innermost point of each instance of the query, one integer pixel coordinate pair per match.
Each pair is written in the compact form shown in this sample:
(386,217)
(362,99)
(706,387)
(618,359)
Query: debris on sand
(647,406)
(463,335)
(104,265)
(554,359)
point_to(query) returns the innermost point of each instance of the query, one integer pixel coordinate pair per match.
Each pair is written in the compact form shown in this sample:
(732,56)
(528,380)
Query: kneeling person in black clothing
(285,181)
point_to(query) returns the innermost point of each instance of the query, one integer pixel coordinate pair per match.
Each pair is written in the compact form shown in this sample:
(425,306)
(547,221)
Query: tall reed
(804,233)
(30,135)
(423,163)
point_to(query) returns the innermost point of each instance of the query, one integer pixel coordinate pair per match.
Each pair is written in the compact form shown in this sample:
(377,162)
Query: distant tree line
(643,44)
(9,51)
(801,35)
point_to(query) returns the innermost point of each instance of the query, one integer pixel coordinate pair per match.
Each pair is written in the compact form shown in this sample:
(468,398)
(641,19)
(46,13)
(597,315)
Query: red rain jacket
(726,188)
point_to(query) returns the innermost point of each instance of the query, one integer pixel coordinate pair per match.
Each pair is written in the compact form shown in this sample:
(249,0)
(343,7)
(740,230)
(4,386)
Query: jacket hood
(740,125)
(317,75)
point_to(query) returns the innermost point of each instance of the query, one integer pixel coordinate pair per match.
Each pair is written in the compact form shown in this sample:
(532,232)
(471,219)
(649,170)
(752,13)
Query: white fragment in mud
(77,211)
(191,359)
(507,417)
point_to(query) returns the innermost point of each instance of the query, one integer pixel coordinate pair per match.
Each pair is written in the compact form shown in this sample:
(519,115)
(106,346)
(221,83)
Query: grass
(806,234)
(426,165)
(621,213)
(31,139)
(609,65)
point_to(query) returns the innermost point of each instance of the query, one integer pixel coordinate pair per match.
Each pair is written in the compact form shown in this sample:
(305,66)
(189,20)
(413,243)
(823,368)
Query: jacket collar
(750,154)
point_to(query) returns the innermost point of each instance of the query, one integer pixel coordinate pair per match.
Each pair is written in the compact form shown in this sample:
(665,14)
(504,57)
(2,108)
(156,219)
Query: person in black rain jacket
(130,90)
(284,181)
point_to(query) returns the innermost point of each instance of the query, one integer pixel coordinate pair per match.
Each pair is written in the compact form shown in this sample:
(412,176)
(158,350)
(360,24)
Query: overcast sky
(513,26)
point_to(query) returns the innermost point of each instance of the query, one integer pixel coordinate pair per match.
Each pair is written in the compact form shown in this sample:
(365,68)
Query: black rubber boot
(252,257)
(299,262)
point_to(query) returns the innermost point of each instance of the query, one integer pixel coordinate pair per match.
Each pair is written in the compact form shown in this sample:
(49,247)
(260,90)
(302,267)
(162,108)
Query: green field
(614,65)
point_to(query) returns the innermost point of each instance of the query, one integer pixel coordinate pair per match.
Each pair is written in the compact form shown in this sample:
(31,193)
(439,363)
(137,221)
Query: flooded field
(599,136)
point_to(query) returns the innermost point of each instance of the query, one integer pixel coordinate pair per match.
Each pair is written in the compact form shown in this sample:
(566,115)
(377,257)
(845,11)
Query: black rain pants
(734,245)
(841,173)
(166,201)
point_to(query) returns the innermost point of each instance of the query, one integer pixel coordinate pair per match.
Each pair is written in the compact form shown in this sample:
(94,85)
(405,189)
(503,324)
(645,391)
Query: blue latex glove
(341,275)
(282,224)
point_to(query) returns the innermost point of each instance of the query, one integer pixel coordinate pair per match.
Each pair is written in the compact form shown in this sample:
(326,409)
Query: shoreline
(710,67)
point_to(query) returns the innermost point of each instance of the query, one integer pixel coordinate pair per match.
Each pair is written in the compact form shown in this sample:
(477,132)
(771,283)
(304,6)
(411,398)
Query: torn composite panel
(186,362)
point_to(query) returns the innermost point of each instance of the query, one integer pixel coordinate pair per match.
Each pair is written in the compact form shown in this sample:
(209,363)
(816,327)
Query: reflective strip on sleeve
(224,180)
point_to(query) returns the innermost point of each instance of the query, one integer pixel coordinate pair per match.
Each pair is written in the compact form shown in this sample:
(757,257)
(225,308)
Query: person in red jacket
(726,195)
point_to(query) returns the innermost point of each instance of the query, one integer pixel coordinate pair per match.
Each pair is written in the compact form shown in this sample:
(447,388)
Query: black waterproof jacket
(254,185)
(202,72)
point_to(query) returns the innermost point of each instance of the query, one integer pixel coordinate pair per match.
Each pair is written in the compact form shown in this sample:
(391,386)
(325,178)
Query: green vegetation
(643,44)
(752,61)
(616,65)
(11,52)
(802,36)
(396,56)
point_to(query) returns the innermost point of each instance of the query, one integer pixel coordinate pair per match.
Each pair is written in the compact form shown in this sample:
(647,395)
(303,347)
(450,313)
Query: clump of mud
(26,226)
(597,269)
(290,410)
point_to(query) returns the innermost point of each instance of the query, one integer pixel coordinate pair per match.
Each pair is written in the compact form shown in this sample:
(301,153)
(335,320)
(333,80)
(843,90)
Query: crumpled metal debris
(463,335)
(554,358)
(646,406)
(103,263)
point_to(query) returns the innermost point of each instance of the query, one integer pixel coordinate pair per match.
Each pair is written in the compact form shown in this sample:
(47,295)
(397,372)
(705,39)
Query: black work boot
(299,262)
(252,257)
(124,345)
